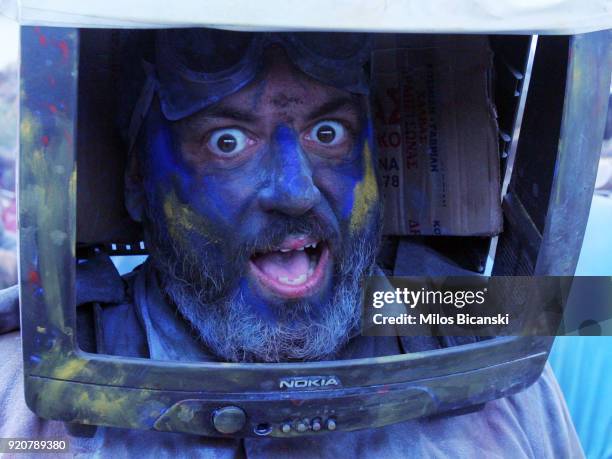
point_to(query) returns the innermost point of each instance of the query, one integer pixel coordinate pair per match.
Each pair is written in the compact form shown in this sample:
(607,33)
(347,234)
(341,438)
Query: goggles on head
(195,68)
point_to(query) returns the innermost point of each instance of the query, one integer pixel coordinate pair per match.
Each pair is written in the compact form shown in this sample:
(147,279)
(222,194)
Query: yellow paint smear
(182,219)
(26,128)
(365,193)
(70,369)
(103,404)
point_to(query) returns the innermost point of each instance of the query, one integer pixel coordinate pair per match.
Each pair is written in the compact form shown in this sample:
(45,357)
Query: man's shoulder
(532,423)
(542,408)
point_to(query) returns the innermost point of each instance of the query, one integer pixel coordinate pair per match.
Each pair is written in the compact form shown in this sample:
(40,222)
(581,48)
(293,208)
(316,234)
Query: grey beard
(233,332)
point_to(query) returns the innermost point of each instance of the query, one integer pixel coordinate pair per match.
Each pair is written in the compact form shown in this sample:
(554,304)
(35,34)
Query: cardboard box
(436,135)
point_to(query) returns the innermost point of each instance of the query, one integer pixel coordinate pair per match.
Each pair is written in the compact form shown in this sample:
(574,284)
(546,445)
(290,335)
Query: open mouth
(294,269)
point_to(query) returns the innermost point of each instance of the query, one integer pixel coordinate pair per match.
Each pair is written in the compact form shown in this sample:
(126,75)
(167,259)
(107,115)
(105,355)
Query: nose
(290,189)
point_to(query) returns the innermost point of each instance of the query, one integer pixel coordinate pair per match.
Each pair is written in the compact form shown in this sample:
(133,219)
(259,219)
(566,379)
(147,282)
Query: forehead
(282,89)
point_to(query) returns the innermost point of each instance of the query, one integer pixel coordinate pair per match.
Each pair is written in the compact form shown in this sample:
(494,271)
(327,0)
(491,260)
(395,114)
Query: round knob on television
(229,419)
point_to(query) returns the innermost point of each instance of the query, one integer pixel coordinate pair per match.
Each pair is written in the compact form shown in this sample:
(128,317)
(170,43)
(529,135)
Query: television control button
(301,426)
(316,424)
(229,419)
(286,427)
(331,424)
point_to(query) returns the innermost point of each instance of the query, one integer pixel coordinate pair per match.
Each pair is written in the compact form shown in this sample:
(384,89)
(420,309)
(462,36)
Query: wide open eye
(227,142)
(327,133)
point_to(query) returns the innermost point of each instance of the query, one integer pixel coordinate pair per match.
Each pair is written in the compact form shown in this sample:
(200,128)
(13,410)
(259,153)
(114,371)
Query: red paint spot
(296,402)
(45,140)
(33,277)
(52,108)
(63,46)
(42,40)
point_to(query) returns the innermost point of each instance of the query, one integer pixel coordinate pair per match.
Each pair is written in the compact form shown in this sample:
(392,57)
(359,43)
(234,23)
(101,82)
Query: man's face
(262,215)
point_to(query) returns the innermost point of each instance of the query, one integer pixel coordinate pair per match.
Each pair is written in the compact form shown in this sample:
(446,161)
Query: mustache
(276,230)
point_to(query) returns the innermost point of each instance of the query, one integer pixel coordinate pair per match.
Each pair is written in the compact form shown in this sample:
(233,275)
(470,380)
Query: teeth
(312,245)
(300,279)
(297,281)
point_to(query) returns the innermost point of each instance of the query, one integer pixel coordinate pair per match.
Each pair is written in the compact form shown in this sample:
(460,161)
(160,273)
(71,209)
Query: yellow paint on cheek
(365,193)
(182,219)
(176,214)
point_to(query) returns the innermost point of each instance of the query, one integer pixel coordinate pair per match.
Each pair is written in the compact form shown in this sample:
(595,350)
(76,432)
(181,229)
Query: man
(261,213)
(285,168)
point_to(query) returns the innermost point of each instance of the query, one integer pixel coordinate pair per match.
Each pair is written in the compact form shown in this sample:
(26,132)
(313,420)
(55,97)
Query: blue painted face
(263,194)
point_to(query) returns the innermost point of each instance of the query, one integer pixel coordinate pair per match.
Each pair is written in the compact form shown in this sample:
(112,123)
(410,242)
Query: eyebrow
(334,105)
(232,113)
(235,113)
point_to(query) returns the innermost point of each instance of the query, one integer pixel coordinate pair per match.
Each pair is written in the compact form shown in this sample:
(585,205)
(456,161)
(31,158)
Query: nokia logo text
(309,382)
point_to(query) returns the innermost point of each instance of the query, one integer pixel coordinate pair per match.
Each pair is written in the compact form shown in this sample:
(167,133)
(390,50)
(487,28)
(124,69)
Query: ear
(134,195)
